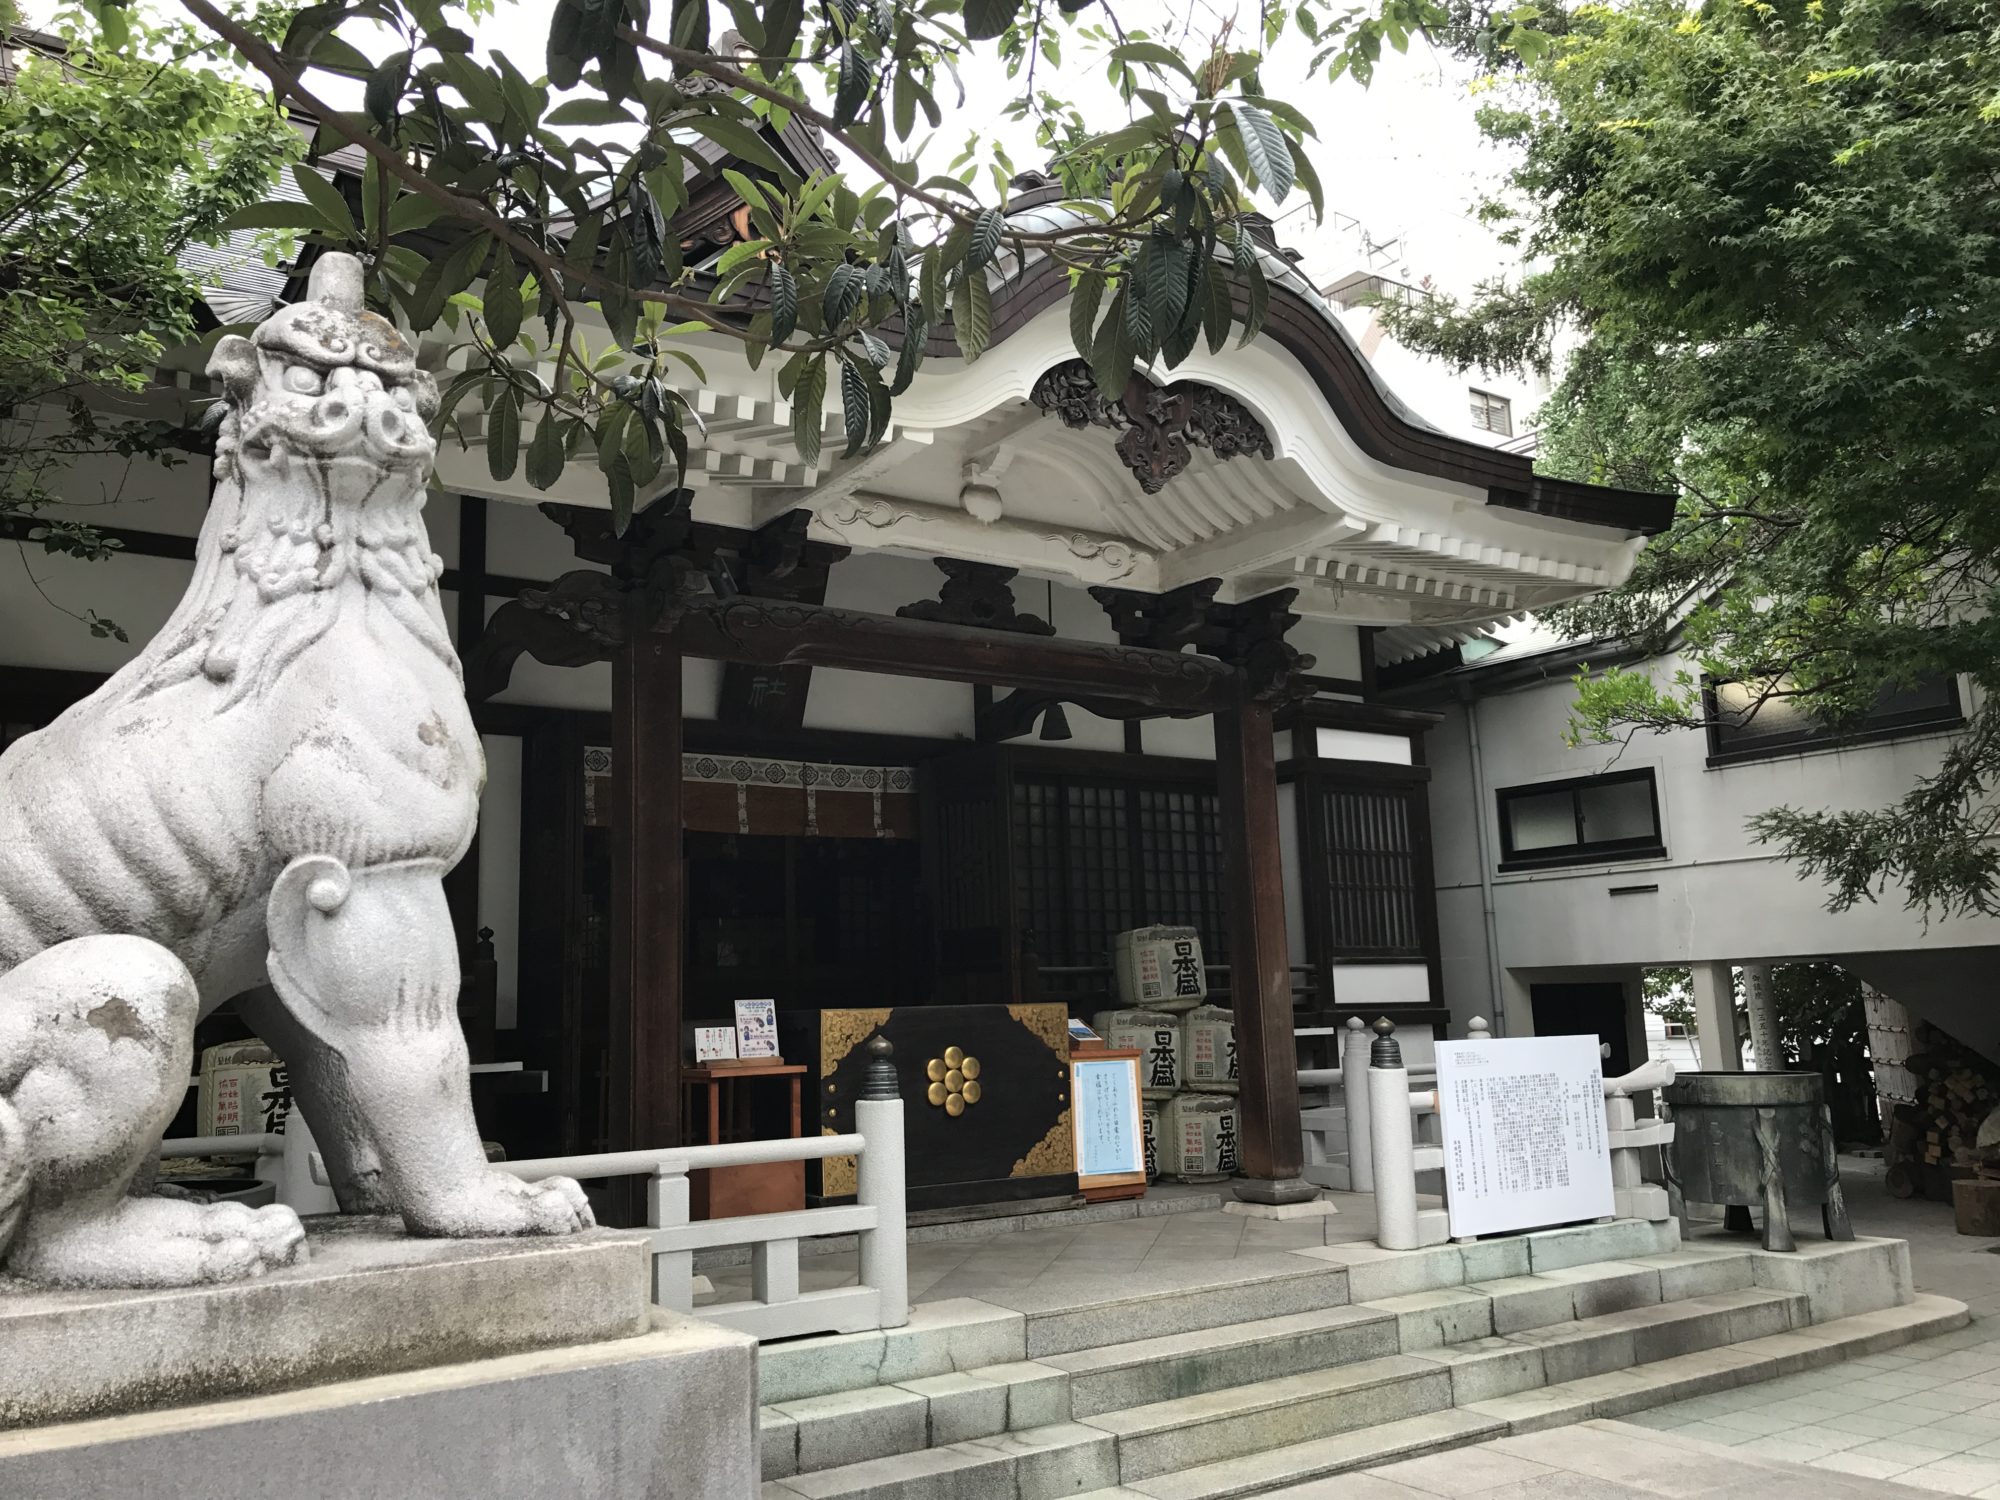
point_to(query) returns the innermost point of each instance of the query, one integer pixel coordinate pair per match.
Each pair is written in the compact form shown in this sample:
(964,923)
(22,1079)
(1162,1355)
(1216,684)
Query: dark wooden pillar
(1259,962)
(646,904)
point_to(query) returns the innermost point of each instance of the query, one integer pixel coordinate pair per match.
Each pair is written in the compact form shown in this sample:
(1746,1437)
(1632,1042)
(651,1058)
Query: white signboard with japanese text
(1109,1128)
(1524,1135)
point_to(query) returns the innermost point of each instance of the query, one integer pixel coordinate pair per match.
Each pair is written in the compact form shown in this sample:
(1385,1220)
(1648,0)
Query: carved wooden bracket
(582,617)
(1249,636)
(976,594)
(1160,424)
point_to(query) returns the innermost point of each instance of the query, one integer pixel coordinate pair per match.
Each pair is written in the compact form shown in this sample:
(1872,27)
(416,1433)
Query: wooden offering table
(732,1192)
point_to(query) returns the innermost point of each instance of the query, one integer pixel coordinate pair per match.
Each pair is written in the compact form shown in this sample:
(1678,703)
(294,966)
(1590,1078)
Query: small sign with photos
(756,1028)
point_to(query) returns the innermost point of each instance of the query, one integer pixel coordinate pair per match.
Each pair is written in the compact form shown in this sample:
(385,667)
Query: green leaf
(1140,334)
(985,19)
(1302,168)
(1213,290)
(444,278)
(852,90)
(279,213)
(648,234)
(808,398)
(1152,54)
(385,87)
(503,302)
(984,239)
(843,294)
(854,407)
(1166,285)
(1083,304)
(784,302)
(690,25)
(503,434)
(1265,148)
(782,19)
(910,358)
(413,211)
(588,111)
(328,199)
(546,452)
(733,136)
(1251,267)
(1111,355)
(972,314)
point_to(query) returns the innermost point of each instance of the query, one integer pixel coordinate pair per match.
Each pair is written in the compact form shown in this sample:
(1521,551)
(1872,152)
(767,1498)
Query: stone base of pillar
(1273,1194)
(1314,1208)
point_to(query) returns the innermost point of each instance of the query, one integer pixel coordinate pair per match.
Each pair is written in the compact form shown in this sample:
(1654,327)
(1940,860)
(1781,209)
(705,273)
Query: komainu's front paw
(499,1203)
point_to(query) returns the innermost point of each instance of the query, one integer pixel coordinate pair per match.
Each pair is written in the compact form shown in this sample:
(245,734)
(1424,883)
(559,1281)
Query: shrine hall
(901,743)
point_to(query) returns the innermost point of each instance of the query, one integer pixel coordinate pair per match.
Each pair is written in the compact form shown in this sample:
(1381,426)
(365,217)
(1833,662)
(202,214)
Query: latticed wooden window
(1095,857)
(1371,871)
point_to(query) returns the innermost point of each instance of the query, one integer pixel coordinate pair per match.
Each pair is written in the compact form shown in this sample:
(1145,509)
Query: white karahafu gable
(971,468)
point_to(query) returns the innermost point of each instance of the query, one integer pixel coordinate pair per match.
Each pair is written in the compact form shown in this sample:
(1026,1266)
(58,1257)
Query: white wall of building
(1720,895)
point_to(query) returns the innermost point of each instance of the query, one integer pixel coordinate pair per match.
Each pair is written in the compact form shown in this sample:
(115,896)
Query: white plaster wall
(136,592)
(1363,987)
(1335,648)
(1721,896)
(523,543)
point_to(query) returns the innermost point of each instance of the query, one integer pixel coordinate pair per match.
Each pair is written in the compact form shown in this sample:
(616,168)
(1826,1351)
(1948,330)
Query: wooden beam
(777,633)
(1260,980)
(646,896)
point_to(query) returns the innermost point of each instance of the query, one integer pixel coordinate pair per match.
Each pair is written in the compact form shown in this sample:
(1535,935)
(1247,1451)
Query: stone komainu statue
(265,800)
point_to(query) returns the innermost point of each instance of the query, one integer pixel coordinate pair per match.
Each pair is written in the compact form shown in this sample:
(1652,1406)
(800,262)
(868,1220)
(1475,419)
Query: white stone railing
(776,1307)
(1338,1154)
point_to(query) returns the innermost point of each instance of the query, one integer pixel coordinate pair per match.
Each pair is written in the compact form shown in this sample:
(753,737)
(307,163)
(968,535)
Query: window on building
(1373,879)
(1491,413)
(1760,717)
(1675,1030)
(1585,821)
(1093,858)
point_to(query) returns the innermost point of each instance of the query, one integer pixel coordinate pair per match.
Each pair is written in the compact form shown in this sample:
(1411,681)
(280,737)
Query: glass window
(1584,821)
(1760,716)
(1491,413)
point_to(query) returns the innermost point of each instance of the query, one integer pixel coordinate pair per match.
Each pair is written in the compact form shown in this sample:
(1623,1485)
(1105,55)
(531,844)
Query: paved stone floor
(1927,1415)
(1073,1263)
(1598,1461)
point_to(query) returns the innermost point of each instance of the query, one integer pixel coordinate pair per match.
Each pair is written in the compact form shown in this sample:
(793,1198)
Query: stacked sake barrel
(1187,1048)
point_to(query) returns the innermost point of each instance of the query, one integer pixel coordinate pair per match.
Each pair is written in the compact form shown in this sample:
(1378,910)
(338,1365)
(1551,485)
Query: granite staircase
(1269,1375)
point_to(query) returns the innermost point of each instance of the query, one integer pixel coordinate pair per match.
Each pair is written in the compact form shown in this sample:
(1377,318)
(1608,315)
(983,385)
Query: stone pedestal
(385,1367)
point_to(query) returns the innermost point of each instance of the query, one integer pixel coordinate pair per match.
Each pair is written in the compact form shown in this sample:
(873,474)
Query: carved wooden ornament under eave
(1160,425)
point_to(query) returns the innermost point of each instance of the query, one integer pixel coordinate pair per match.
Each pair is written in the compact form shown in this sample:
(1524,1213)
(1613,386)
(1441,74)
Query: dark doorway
(1580,1009)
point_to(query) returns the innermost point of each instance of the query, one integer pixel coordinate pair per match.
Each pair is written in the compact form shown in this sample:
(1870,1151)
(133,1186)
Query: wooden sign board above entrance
(1524,1135)
(1109,1130)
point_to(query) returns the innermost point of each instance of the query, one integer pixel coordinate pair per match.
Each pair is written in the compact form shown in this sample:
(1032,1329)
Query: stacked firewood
(1935,1138)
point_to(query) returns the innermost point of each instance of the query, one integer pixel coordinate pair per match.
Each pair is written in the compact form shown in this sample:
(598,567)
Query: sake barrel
(1159,968)
(1208,1050)
(1198,1141)
(1156,1036)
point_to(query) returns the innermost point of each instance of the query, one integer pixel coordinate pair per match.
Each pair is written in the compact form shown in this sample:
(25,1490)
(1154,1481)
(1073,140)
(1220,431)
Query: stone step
(1196,1430)
(1279,1468)
(1514,1304)
(1616,1340)
(1242,1291)
(1039,1464)
(843,1427)
(1618,1393)
(1145,1371)
(1276,1472)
